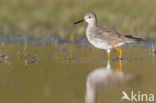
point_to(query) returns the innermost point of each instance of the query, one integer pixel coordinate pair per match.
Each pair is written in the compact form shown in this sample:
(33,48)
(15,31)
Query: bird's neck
(92,25)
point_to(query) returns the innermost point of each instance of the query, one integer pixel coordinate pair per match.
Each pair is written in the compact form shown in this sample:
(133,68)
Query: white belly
(101,45)
(98,43)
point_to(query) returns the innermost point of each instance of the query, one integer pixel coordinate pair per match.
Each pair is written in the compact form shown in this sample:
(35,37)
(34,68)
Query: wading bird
(103,38)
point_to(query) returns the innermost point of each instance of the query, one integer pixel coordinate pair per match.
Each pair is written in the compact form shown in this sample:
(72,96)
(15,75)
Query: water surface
(59,73)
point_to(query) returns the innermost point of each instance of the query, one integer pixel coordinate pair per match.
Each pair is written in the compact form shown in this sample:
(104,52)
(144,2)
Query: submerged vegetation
(54,18)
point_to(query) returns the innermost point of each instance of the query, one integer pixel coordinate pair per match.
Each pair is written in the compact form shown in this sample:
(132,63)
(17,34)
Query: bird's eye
(89,16)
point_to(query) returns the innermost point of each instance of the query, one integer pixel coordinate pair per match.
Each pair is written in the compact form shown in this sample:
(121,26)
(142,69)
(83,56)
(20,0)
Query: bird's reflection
(104,77)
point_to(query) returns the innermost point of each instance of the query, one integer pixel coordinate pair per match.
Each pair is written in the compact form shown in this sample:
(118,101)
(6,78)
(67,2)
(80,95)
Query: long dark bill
(78,21)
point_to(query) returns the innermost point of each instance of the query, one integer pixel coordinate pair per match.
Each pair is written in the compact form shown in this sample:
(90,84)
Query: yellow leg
(120,65)
(108,56)
(108,51)
(120,51)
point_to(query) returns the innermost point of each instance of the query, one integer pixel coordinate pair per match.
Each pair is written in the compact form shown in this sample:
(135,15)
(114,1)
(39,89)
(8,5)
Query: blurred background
(57,71)
(50,20)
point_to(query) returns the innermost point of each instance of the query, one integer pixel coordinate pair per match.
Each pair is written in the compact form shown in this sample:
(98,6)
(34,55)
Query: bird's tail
(134,38)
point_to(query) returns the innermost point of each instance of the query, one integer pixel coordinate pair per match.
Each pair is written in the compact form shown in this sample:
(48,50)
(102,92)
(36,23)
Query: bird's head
(89,17)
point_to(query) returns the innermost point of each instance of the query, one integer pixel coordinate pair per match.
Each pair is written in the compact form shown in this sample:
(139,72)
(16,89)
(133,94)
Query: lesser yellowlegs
(103,38)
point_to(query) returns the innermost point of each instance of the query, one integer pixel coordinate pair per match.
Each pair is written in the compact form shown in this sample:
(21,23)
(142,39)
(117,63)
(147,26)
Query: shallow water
(60,73)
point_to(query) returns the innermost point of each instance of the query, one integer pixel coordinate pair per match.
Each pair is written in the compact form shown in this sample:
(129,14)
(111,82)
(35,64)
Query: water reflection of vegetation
(34,54)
